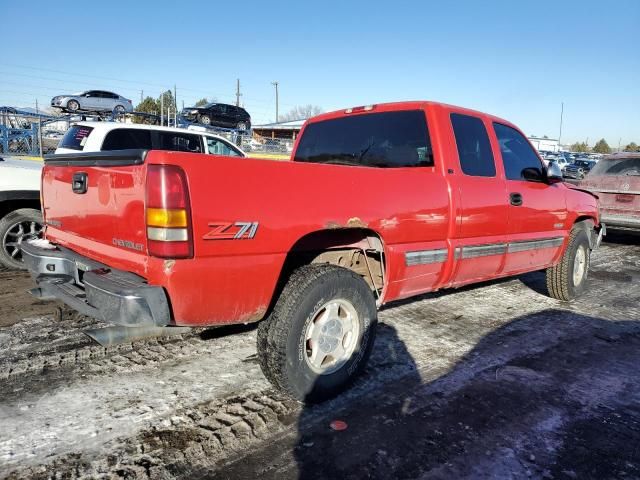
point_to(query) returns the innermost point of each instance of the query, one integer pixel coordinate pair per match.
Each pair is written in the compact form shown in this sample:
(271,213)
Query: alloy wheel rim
(331,337)
(579,265)
(18,233)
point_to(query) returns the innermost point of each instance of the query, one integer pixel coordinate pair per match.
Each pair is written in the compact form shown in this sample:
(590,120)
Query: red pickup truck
(378,203)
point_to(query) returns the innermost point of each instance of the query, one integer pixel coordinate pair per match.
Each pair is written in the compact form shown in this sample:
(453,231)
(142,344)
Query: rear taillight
(167,212)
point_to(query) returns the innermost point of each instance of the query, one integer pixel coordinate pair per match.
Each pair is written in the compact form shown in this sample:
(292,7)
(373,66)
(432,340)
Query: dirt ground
(489,381)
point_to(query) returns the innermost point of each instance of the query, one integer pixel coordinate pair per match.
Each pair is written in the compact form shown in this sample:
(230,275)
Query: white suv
(102,136)
(20,217)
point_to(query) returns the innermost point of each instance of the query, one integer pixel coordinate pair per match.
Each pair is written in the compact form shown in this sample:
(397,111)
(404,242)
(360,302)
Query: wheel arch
(361,250)
(26,199)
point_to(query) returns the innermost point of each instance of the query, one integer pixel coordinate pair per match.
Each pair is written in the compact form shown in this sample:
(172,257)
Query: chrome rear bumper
(94,289)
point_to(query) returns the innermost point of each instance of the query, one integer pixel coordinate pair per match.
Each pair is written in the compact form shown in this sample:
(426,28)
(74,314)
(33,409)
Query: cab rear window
(76,137)
(386,139)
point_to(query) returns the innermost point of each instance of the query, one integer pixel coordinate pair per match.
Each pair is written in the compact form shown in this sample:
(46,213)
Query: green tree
(580,147)
(632,147)
(602,146)
(202,102)
(148,105)
(166,100)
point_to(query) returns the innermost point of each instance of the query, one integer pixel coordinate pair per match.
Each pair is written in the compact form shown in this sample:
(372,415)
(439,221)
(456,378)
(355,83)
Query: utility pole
(141,95)
(561,114)
(275,84)
(175,97)
(238,94)
(619,142)
(162,109)
(37,111)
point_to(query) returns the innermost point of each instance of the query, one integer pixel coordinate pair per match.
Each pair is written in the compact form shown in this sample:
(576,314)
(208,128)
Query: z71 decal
(232,231)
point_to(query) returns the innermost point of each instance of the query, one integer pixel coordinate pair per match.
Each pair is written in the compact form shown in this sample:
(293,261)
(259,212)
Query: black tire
(204,119)
(119,110)
(282,348)
(242,126)
(561,281)
(73,105)
(10,237)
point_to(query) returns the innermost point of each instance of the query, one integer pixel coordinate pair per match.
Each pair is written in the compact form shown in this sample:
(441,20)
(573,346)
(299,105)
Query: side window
(180,142)
(218,147)
(125,138)
(474,149)
(517,154)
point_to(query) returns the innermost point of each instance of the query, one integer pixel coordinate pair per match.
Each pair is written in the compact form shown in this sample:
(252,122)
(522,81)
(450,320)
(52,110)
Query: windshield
(387,139)
(619,166)
(583,163)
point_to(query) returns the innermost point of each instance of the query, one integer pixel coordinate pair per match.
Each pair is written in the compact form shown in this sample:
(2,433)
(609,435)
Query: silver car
(93,101)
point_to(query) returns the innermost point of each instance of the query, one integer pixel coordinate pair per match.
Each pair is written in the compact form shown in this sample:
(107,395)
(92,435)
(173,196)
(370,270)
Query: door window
(125,138)
(517,153)
(180,142)
(218,147)
(474,149)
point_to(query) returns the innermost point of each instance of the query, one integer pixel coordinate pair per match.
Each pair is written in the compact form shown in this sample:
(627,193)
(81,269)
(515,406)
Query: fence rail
(24,134)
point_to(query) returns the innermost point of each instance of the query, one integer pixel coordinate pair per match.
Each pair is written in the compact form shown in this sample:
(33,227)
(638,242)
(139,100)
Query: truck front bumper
(94,289)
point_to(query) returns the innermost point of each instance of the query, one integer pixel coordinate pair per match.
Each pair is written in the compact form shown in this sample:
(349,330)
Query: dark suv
(219,115)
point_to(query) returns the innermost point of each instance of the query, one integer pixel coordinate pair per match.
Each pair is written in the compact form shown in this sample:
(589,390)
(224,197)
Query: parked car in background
(579,168)
(107,136)
(562,163)
(20,217)
(219,115)
(616,181)
(93,101)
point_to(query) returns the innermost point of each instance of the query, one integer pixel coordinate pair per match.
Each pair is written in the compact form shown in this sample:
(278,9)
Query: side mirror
(532,174)
(554,173)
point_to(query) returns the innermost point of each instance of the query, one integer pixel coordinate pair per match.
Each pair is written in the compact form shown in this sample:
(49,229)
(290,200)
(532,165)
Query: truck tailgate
(94,204)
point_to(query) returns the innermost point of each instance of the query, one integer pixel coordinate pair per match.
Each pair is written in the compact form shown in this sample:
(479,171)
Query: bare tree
(301,112)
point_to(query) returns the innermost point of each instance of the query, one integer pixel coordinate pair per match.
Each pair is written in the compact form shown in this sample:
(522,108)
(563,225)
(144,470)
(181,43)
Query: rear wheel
(119,110)
(15,228)
(320,333)
(73,105)
(241,126)
(568,279)
(205,119)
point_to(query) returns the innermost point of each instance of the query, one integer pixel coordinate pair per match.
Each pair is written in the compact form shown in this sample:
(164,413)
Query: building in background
(283,130)
(545,144)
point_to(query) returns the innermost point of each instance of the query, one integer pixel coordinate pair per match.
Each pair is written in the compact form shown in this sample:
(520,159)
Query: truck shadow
(552,394)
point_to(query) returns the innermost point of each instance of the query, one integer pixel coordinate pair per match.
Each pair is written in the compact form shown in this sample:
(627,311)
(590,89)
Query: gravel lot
(490,381)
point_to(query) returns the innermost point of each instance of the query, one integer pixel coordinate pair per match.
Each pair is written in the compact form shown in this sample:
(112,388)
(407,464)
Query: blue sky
(515,59)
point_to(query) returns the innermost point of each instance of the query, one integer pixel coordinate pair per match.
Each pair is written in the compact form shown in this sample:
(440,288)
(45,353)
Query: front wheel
(73,105)
(319,336)
(568,279)
(15,228)
(205,119)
